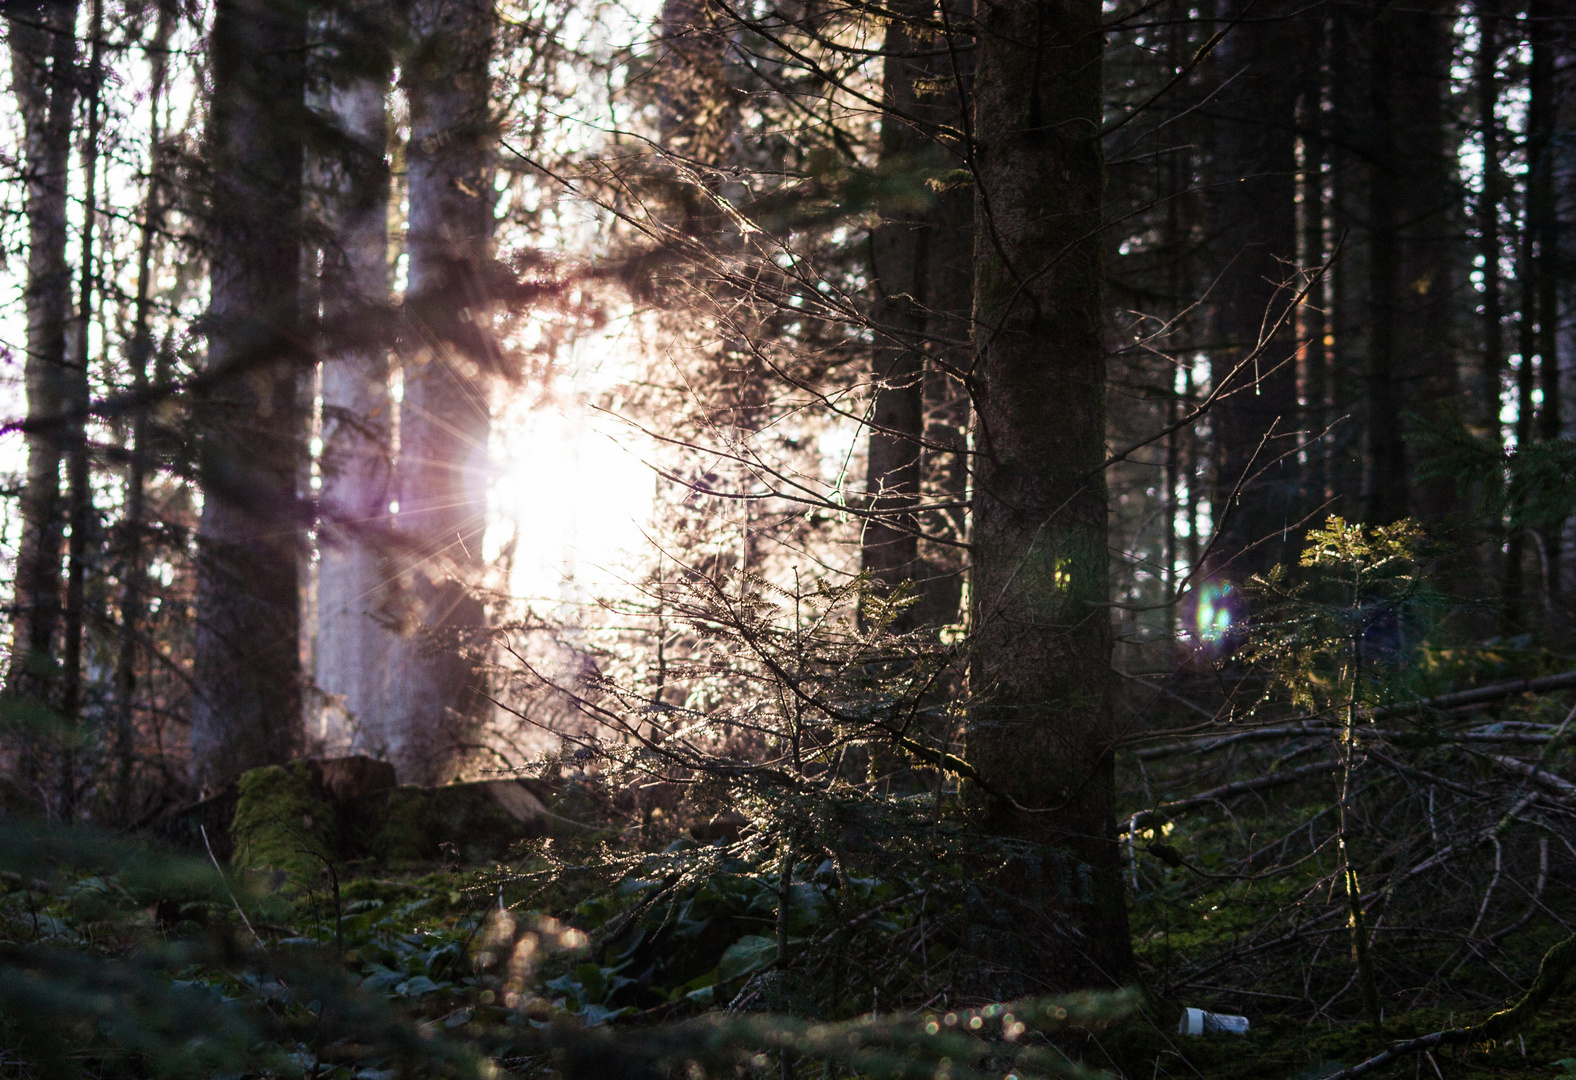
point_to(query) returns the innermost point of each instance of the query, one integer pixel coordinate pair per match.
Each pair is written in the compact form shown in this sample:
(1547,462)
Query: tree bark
(921,265)
(247,665)
(1040,727)
(437,683)
(354,639)
(43,52)
(133,571)
(79,472)
(1543,221)
(1254,244)
(1411,367)
(1486,79)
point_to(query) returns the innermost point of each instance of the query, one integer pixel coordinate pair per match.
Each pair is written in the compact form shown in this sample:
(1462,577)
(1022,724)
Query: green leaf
(748,954)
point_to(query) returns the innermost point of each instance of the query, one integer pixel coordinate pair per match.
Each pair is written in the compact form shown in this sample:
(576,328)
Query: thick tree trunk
(437,683)
(354,640)
(43,52)
(1040,727)
(247,670)
(921,256)
(1254,243)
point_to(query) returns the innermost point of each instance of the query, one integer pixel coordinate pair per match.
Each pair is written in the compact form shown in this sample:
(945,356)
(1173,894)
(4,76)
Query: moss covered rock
(302,817)
(466,822)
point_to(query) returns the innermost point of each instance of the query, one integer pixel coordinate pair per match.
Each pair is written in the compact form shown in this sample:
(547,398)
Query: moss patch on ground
(283,823)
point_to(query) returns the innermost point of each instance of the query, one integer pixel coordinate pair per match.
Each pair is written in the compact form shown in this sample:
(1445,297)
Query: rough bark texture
(43,50)
(1040,726)
(921,256)
(354,640)
(436,681)
(247,708)
(1254,250)
(1411,366)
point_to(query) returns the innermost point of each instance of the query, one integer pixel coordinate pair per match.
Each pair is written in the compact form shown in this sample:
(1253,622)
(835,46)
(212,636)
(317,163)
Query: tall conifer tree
(450,360)
(247,672)
(1040,731)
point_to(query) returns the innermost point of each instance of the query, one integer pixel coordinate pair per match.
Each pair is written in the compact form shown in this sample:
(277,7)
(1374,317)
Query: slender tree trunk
(1040,727)
(247,669)
(1491,371)
(1543,222)
(1411,366)
(133,571)
(1486,79)
(1174,190)
(1313,328)
(920,255)
(1385,464)
(437,683)
(354,642)
(43,52)
(1530,341)
(79,473)
(1516,612)
(1348,315)
(1254,231)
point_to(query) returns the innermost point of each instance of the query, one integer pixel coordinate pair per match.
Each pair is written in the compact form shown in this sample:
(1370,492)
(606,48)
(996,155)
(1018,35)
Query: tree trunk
(1491,370)
(921,265)
(437,683)
(79,473)
(1411,367)
(1348,315)
(1040,727)
(1543,221)
(1486,78)
(133,572)
(354,642)
(1254,243)
(247,666)
(43,51)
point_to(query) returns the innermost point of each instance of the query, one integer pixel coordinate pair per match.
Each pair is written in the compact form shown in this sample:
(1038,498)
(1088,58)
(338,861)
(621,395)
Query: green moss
(410,828)
(281,823)
(462,822)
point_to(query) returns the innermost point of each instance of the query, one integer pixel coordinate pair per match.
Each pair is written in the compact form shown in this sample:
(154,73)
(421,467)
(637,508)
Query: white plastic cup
(1199,1022)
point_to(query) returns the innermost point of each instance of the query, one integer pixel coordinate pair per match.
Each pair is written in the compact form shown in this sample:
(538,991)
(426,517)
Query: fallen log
(1165,810)
(1556,964)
